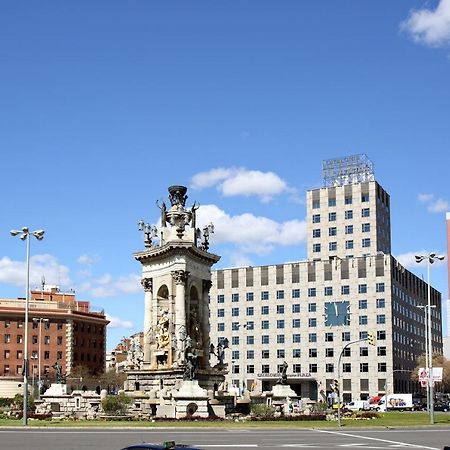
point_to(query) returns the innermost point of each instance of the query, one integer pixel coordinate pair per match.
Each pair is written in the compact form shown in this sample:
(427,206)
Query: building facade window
(365,242)
(364,367)
(381,319)
(346,336)
(345,289)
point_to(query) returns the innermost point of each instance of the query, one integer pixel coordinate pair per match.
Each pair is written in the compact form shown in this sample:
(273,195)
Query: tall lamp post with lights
(429,349)
(39,320)
(24,235)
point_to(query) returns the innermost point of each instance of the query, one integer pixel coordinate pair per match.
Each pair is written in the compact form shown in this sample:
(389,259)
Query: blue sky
(105,104)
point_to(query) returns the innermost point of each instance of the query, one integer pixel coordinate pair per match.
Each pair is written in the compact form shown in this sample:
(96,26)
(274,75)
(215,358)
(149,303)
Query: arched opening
(163,292)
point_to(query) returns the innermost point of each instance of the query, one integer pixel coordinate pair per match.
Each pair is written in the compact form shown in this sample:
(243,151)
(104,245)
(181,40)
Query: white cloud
(240,181)
(252,234)
(239,260)
(440,205)
(434,205)
(88,260)
(107,286)
(115,322)
(14,272)
(425,198)
(212,177)
(429,27)
(408,260)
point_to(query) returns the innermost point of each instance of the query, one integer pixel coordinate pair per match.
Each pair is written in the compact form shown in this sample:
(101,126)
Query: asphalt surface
(223,439)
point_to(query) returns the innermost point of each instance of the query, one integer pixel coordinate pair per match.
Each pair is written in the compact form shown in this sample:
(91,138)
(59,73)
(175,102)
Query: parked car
(442,406)
(358,405)
(169,445)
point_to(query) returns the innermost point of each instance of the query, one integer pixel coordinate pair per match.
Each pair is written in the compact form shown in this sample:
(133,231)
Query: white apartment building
(304,313)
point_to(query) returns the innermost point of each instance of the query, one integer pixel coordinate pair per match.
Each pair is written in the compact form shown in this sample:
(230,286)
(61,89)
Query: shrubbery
(116,405)
(262,411)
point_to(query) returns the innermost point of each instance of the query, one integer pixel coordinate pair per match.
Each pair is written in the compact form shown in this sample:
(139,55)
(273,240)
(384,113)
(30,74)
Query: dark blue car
(169,445)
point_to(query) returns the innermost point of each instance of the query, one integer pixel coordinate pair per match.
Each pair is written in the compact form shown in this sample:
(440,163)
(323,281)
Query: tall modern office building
(306,312)
(447,335)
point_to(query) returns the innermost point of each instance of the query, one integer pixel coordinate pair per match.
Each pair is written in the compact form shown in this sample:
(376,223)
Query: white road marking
(405,444)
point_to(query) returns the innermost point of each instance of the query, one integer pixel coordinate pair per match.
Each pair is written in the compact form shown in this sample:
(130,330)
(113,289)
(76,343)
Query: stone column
(180,278)
(147,284)
(206,286)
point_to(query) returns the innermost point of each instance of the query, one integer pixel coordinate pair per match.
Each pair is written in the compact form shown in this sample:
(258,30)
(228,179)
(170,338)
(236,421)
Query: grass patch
(391,419)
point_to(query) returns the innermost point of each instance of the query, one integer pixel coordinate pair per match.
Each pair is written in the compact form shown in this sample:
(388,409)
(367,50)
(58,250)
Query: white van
(358,405)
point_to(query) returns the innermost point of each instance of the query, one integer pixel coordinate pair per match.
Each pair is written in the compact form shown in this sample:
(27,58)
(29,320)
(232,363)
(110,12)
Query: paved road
(222,439)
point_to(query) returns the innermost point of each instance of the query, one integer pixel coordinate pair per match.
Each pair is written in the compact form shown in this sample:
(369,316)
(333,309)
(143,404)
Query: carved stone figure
(58,373)
(283,374)
(147,284)
(162,334)
(191,360)
(195,331)
(163,209)
(192,215)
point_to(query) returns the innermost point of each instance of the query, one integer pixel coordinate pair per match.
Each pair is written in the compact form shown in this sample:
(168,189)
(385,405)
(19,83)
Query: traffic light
(371,338)
(334,385)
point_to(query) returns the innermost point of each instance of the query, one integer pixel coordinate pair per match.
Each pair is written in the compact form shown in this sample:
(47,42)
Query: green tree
(18,401)
(116,405)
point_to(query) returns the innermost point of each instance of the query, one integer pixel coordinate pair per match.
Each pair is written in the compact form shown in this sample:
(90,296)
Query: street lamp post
(430,260)
(24,235)
(40,320)
(244,369)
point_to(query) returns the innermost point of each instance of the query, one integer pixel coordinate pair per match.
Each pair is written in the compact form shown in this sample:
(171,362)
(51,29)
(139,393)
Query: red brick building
(68,330)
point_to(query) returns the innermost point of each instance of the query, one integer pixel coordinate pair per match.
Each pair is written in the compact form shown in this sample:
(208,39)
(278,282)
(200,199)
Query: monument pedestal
(282,391)
(55,390)
(282,396)
(191,400)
